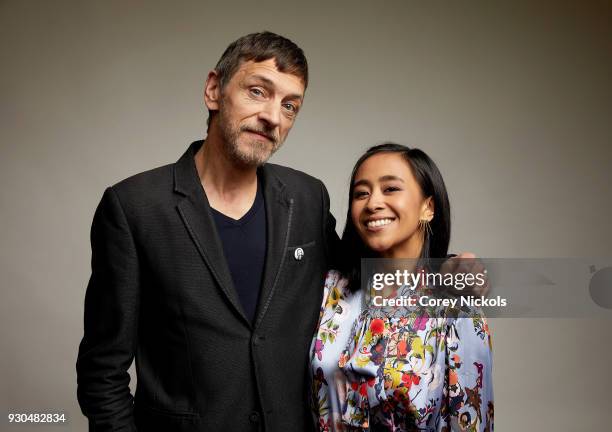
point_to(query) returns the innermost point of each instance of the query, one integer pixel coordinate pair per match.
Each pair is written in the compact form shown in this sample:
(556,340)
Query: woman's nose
(375,202)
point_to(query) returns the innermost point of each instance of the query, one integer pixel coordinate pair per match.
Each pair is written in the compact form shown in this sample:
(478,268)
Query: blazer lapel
(279,209)
(195,213)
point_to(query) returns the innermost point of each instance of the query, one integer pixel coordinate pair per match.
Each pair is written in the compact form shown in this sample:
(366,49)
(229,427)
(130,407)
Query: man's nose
(271,113)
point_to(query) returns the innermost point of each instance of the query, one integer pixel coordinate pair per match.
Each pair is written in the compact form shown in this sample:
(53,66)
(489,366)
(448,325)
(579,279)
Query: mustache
(262,131)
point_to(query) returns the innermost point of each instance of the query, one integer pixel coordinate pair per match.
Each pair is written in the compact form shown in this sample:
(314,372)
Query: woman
(397,370)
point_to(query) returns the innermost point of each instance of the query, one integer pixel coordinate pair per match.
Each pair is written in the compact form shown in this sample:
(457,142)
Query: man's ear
(212,91)
(427,209)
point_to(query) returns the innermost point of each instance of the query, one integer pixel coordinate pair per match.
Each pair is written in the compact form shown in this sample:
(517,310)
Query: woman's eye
(392,189)
(359,194)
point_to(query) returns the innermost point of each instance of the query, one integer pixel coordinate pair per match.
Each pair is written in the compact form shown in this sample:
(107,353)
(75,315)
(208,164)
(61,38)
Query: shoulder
(146,187)
(468,328)
(146,180)
(294,179)
(335,278)
(336,285)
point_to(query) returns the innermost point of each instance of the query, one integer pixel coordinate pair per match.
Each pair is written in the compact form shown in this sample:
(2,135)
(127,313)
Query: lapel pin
(298,254)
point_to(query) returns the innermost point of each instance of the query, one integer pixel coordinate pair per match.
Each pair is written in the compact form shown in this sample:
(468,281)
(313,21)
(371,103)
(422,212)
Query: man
(209,271)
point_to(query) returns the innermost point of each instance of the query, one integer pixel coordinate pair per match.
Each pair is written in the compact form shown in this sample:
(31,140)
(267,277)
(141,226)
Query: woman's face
(386,206)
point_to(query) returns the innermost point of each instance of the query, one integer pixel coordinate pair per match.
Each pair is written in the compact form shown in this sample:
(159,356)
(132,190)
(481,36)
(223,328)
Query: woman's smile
(378,224)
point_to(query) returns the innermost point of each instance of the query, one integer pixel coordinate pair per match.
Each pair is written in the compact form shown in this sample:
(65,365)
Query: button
(298,254)
(254,417)
(258,339)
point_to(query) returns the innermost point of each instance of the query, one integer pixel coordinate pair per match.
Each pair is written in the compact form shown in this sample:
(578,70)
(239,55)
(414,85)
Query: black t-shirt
(244,245)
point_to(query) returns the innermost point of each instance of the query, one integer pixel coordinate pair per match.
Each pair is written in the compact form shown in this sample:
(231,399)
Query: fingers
(468,263)
(450,265)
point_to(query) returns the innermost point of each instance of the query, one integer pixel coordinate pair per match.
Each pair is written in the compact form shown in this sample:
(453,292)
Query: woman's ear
(427,209)
(212,91)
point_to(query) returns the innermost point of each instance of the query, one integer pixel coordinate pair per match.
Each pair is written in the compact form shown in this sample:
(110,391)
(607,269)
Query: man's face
(256,110)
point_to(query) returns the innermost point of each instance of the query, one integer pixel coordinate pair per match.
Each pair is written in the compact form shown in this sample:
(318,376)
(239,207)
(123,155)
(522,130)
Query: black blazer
(160,290)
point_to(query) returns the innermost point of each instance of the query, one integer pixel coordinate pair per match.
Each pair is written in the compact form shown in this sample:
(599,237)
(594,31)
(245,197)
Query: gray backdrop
(512,99)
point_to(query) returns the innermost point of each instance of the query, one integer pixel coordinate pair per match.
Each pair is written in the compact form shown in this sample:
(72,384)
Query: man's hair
(260,47)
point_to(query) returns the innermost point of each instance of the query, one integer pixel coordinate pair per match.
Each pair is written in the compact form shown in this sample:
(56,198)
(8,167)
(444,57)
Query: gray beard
(257,153)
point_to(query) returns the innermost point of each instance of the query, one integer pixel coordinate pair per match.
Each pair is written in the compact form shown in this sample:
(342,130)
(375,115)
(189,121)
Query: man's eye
(290,107)
(256,92)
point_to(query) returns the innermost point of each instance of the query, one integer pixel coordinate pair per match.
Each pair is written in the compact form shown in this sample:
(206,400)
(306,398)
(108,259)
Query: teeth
(379,222)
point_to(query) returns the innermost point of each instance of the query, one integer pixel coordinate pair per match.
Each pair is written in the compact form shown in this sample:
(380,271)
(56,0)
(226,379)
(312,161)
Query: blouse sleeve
(362,363)
(469,380)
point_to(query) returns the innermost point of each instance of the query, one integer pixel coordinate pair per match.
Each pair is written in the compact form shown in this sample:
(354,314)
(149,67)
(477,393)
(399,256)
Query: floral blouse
(400,371)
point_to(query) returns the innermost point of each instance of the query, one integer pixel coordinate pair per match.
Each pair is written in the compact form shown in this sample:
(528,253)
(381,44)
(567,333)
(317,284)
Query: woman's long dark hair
(432,185)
